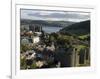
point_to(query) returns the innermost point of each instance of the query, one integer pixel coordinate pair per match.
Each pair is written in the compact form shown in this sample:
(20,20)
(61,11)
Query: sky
(54,15)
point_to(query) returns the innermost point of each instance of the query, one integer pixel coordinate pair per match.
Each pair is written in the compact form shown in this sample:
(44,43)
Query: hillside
(81,28)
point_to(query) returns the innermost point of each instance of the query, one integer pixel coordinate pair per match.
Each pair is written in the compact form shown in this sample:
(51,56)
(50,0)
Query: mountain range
(47,23)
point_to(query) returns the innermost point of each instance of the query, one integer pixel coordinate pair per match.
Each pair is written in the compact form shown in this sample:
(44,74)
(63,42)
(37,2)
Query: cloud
(54,15)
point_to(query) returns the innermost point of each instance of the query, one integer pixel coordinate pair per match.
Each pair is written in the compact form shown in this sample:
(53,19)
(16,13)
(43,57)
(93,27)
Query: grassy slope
(81,28)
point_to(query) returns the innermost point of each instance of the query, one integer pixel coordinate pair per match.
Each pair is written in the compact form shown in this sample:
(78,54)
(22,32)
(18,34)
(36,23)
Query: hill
(47,23)
(81,28)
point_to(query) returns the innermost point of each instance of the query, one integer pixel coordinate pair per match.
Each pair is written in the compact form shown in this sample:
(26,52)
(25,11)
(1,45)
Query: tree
(52,38)
(24,48)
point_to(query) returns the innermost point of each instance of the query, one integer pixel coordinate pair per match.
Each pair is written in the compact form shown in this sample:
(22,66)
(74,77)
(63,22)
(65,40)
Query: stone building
(81,57)
(73,57)
(35,27)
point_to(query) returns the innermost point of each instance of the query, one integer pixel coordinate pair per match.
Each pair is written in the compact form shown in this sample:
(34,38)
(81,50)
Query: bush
(23,63)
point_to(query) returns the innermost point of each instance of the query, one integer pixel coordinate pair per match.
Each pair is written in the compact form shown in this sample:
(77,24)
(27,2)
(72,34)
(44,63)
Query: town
(39,49)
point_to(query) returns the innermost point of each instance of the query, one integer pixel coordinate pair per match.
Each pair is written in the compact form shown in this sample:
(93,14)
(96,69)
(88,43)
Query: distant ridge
(47,23)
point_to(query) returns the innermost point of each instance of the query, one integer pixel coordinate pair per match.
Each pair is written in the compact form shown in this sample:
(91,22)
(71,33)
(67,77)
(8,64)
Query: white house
(38,33)
(36,39)
(30,54)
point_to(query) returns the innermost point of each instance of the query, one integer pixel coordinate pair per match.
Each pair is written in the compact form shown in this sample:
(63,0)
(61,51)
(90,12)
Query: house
(30,54)
(36,39)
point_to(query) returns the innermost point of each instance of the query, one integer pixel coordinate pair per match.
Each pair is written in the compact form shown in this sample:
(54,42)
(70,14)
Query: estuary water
(51,29)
